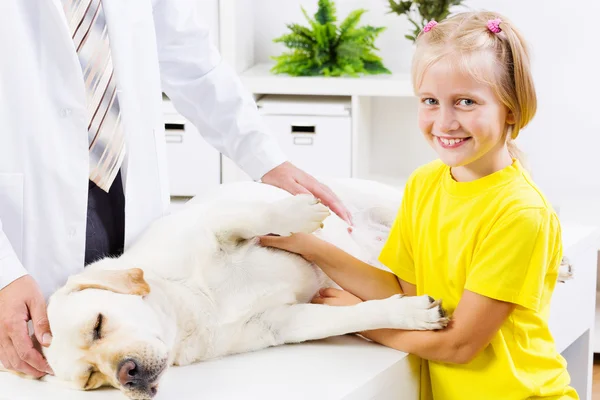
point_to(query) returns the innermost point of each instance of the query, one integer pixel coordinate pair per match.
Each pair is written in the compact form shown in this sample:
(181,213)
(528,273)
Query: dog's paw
(300,213)
(418,313)
(565,270)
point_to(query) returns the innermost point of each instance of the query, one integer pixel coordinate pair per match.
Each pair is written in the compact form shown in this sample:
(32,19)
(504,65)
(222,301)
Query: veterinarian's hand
(21,301)
(304,244)
(335,297)
(288,177)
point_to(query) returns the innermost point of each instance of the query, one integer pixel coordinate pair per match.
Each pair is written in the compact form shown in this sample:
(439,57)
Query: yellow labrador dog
(196,286)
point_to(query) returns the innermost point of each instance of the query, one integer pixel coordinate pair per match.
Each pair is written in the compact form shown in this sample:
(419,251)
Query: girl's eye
(466,102)
(429,101)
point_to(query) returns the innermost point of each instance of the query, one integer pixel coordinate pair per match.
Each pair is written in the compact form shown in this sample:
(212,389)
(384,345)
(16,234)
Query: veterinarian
(473,228)
(82,146)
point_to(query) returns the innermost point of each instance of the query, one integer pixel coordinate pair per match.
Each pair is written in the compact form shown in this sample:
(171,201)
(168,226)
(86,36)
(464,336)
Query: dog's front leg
(302,322)
(301,213)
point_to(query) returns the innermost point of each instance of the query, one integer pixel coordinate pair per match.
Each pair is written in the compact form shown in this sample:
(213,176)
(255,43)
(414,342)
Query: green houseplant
(424,11)
(326,49)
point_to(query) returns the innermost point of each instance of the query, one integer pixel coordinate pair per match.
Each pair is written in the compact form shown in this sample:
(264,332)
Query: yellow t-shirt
(499,237)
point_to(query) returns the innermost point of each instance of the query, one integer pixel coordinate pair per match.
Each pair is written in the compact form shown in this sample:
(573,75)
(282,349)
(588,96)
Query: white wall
(563,141)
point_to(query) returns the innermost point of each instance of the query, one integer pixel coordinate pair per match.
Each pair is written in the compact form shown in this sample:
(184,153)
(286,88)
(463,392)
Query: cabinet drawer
(194,166)
(320,145)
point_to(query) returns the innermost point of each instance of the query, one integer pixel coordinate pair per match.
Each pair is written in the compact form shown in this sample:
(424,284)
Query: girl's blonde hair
(500,60)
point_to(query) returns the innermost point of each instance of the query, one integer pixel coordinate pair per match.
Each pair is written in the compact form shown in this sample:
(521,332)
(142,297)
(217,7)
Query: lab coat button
(72,231)
(65,112)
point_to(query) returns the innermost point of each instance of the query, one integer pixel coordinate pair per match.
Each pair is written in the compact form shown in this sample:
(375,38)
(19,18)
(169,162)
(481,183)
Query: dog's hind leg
(300,213)
(301,322)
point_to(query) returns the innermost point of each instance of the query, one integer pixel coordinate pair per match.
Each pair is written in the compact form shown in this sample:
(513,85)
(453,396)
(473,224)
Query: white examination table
(349,367)
(346,367)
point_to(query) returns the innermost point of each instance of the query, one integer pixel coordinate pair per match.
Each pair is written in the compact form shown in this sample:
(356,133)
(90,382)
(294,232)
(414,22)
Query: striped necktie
(105,132)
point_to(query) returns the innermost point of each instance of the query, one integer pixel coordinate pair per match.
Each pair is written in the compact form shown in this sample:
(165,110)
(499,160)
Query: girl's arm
(475,321)
(362,279)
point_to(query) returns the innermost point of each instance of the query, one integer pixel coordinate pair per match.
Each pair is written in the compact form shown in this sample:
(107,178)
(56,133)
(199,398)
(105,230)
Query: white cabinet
(247,30)
(314,132)
(583,207)
(194,166)
(571,317)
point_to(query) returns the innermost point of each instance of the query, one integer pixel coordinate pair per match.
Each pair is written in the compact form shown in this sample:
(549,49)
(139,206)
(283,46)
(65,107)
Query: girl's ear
(510,118)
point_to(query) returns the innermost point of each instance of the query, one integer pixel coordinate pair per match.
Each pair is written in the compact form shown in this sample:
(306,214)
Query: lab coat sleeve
(10,266)
(206,91)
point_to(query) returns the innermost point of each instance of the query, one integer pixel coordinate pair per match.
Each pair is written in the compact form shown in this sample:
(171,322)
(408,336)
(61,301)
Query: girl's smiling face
(464,121)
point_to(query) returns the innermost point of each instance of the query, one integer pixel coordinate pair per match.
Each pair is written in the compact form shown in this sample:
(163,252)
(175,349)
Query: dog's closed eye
(86,385)
(98,327)
(95,379)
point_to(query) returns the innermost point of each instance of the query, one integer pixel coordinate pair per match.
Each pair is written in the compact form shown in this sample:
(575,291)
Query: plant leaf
(326,12)
(302,30)
(324,49)
(376,67)
(402,7)
(351,21)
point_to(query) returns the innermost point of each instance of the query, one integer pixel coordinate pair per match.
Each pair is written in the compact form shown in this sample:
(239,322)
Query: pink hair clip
(429,26)
(494,25)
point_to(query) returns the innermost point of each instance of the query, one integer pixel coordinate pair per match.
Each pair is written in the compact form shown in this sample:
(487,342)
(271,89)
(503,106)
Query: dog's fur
(197,286)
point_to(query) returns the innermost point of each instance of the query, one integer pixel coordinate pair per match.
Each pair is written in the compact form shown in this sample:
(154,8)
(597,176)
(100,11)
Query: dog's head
(106,334)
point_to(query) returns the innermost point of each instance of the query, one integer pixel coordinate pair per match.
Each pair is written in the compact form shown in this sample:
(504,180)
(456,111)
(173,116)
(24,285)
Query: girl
(473,229)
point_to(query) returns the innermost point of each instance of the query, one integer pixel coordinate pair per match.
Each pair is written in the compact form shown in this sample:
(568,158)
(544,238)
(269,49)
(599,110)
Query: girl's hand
(304,244)
(335,297)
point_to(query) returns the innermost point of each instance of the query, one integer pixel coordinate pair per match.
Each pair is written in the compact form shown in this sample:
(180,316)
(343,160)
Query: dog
(197,286)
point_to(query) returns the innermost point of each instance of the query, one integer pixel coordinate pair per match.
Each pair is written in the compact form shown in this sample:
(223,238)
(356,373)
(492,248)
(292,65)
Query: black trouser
(105,231)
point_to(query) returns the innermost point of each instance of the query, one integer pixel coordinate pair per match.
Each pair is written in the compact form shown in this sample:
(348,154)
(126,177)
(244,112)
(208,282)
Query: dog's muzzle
(133,376)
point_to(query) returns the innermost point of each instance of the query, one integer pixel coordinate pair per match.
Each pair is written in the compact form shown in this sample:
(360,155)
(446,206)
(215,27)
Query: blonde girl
(473,228)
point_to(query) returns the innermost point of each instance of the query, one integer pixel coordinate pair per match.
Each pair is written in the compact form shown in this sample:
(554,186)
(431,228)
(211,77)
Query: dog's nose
(133,375)
(128,372)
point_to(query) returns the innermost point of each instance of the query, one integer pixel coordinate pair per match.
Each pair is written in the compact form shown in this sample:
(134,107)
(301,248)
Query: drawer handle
(174,127)
(303,129)
(303,141)
(174,137)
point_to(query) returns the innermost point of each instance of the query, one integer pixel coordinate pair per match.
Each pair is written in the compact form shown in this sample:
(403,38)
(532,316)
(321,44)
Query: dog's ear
(124,281)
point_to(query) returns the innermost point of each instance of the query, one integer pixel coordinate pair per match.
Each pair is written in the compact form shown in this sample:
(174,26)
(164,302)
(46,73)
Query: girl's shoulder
(522,207)
(426,173)
(523,194)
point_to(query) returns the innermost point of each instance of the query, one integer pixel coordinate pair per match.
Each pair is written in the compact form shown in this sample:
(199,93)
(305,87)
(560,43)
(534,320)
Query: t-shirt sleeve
(512,262)
(397,252)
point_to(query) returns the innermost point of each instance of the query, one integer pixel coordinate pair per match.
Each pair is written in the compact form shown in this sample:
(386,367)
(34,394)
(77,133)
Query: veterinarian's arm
(208,92)
(476,319)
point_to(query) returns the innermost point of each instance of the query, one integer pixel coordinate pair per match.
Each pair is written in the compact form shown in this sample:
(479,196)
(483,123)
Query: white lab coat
(157,45)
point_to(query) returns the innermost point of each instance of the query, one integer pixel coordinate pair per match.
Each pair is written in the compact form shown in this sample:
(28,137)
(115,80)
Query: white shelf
(259,79)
